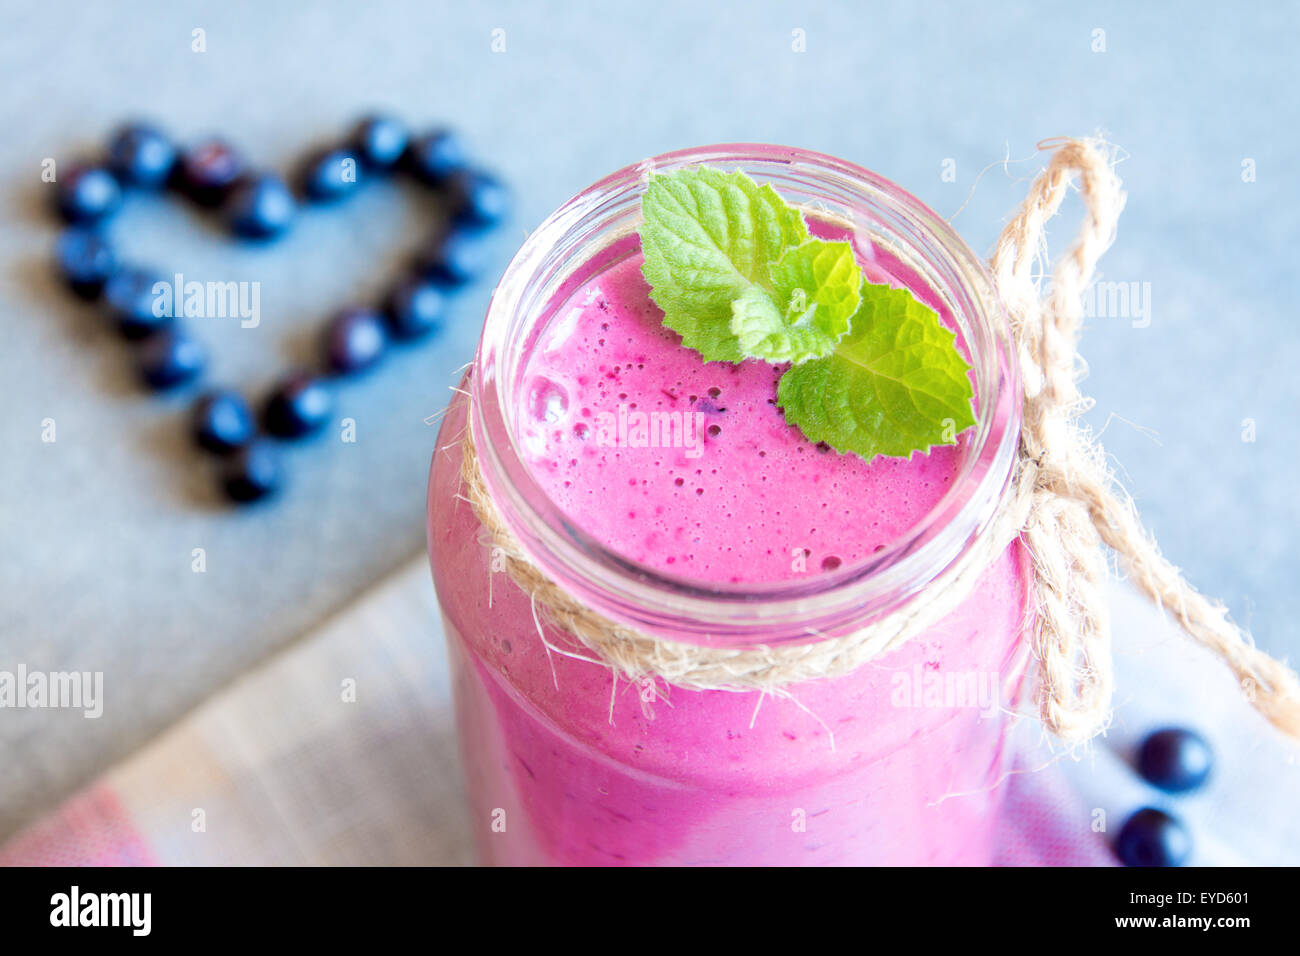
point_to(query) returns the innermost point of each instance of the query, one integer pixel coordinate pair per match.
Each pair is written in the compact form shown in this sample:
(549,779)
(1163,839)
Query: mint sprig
(737,275)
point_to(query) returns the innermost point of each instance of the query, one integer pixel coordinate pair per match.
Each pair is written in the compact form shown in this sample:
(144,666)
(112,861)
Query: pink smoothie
(873,767)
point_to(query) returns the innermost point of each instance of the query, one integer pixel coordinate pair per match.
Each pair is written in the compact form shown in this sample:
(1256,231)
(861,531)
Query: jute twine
(1063,502)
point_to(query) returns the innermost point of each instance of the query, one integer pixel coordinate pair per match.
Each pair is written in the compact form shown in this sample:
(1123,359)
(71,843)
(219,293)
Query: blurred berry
(354,341)
(478,198)
(87,194)
(458,257)
(171,357)
(141,155)
(1175,759)
(260,207)
(252,472)
(208,170)
(414,308)
(299,406)
(330,176)
(1152,837)
(379,142)
(85,261)
(133,303)
(433,157)
(222,421)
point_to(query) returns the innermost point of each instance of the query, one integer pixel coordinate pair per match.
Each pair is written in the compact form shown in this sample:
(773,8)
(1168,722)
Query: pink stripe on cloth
(1044,822)
(90,829)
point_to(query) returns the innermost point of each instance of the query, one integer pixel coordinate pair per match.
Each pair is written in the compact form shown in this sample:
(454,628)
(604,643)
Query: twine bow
(1076,501)
(1063,503)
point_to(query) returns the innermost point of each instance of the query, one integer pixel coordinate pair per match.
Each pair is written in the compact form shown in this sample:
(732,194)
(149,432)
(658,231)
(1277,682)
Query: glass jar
(897,762)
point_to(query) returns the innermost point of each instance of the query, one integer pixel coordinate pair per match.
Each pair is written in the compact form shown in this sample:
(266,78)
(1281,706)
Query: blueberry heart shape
(257,206)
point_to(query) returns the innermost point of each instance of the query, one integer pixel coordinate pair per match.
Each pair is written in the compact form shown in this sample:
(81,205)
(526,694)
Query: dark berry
(379,142)
(170,358)
(415,308)
(354,341)
(433,157)
(260,207)
(208,170)
(330,176)
(1175,759)
(456,258)
(88,194)
(1152,837)
(85,261)
(299,406)
(222,421)
(252,472)
(135,306)
(141,155)
(478,198)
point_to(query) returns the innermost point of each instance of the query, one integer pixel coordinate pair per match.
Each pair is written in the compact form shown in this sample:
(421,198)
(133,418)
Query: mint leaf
(816,293)
(709,238)
(895,383)
(757,322)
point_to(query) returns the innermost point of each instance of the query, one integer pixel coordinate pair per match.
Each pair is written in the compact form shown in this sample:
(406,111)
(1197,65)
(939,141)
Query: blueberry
(1152,837)
(414,308)
(85,261)
(331,175)
(170,358)
(222,421)
(87,194)
(252,472)
(379,141)
(456,258)
(478,198)
(299,406)
(433,157)
(137,309)
(1175,759)
(260,207)
(208,170)
(354,341)
(141,155)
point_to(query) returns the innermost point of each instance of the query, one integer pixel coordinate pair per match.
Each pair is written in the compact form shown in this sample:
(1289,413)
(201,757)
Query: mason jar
(898,761)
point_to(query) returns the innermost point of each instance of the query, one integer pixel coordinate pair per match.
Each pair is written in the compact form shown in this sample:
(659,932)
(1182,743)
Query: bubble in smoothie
(548,400)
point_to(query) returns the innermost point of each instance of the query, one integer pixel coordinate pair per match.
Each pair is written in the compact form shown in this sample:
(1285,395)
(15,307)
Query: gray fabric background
(97,529)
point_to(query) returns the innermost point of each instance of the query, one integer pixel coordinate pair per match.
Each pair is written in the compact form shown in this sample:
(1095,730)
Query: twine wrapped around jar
(1063,502)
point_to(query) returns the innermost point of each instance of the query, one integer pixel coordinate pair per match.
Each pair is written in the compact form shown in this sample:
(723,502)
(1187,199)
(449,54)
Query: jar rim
(714,614)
